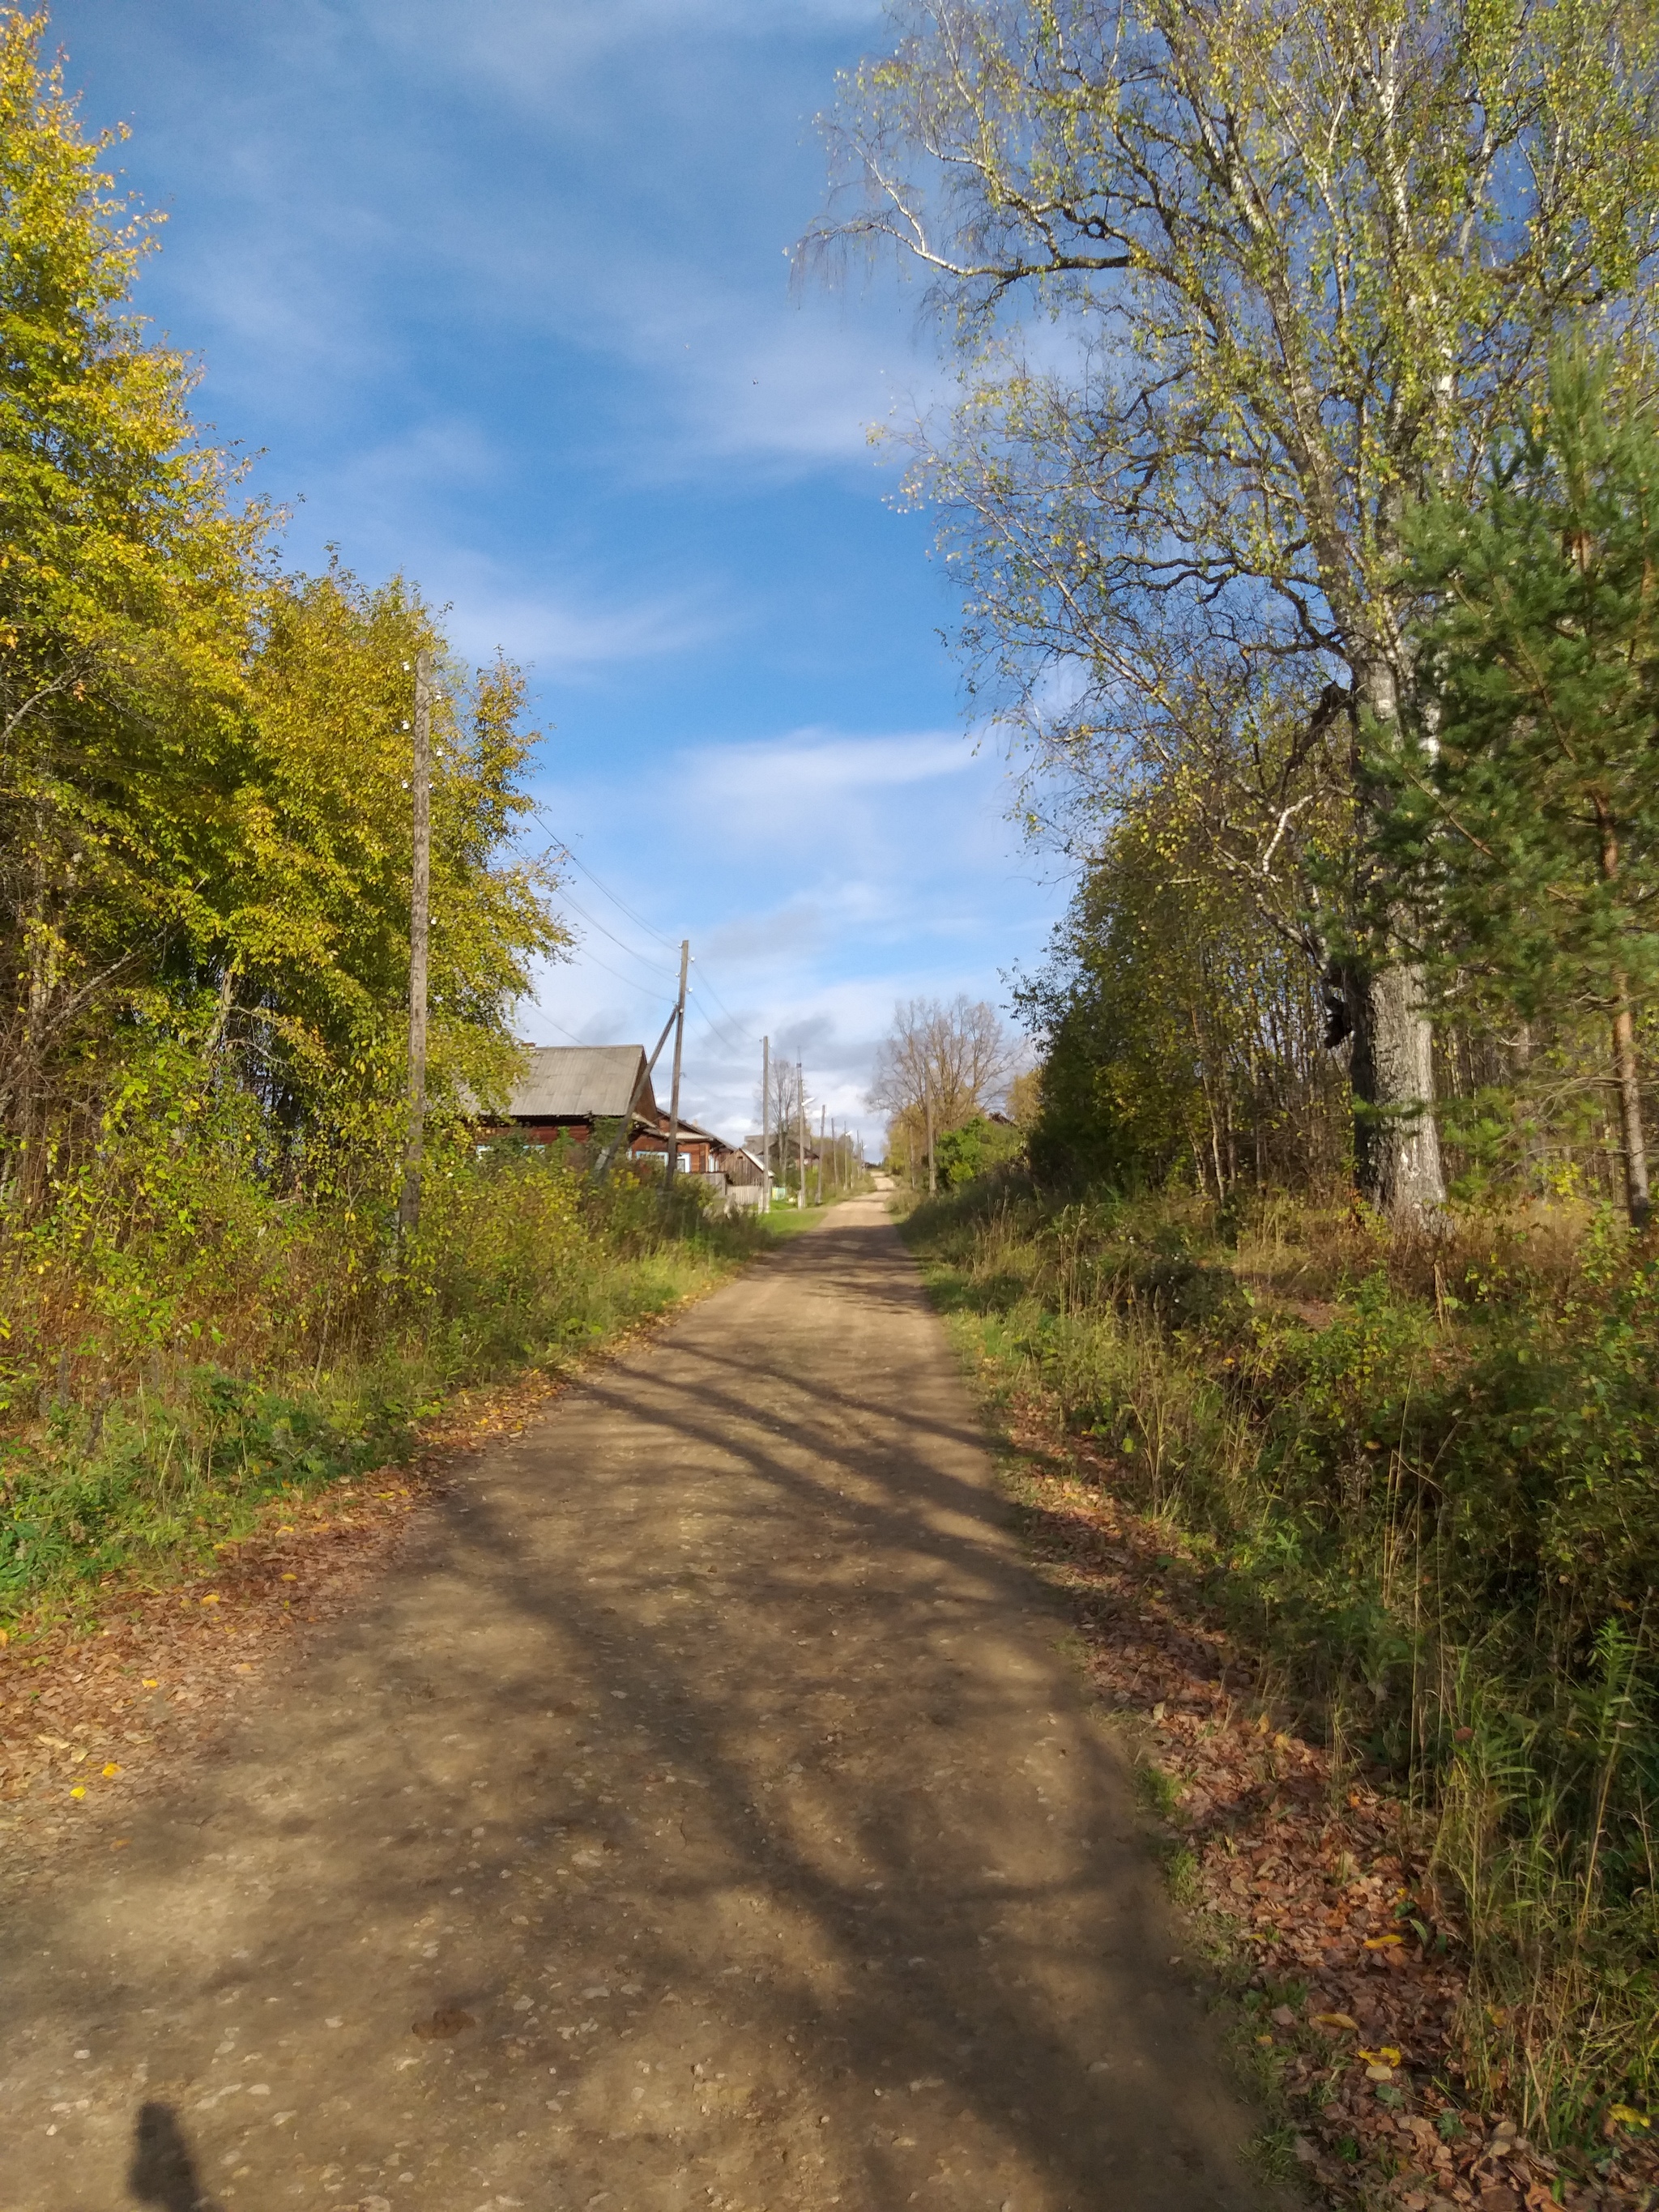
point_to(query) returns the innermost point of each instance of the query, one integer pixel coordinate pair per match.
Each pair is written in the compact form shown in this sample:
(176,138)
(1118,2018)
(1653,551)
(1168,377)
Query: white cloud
(821,875)
(557,633)
(815,761)
(544,60)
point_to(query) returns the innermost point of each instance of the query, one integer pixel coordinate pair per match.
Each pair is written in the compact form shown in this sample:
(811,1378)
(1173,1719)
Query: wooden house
(564,1089)
(565,1092)
(736,1177)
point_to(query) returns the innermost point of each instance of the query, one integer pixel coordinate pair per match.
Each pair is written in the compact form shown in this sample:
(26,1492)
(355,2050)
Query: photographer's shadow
(163,2169)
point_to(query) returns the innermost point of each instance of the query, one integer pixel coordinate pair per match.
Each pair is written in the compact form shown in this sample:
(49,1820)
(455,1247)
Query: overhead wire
(734,1039)
(730,1033)
(724,1042)
(632,951)
(622,905)
(628,981)
(727,1012)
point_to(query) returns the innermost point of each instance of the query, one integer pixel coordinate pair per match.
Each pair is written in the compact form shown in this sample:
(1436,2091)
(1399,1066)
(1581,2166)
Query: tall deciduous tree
(127,584)
(314,931)
(1178,1031)
(1296,263)
(1525,818)
(940,1064)
(205,814)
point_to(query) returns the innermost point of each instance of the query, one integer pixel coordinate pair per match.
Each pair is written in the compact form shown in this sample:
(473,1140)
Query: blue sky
(499,292)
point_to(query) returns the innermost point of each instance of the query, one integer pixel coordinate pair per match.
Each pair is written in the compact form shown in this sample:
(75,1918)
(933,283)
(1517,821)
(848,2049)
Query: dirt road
(700,1812)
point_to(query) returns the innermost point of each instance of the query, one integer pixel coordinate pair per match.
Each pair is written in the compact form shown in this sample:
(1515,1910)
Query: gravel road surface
(699,1812)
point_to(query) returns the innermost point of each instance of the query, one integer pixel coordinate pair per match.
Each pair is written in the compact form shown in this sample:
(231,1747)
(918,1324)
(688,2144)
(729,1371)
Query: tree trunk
(1624,1075)
(1396,1141)
(1630,1111)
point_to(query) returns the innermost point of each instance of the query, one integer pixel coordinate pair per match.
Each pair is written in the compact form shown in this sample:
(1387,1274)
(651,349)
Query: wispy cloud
(821,875)
(502,292)
(814,762)
(558,634)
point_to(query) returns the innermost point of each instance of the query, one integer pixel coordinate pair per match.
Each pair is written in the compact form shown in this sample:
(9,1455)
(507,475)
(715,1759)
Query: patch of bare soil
(1308,1879)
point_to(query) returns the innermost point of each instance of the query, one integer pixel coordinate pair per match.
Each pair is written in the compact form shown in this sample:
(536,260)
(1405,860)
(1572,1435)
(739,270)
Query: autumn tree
(1178,1035)
(204,819)
(1288,269)
(312,945)
(127,588)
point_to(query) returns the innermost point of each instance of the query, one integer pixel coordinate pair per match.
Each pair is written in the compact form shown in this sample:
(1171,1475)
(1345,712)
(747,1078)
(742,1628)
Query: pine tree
(1526,813)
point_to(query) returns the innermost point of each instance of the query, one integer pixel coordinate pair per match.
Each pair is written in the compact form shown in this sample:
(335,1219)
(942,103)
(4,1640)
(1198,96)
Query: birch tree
(951,1060)
(1285,269)
(127,577)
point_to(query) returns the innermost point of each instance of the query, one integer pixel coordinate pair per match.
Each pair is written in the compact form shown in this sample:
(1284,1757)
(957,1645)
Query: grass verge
(124,1465)
(1199,1441)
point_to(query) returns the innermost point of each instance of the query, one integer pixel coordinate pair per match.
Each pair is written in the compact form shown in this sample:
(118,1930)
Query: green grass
(131,1459)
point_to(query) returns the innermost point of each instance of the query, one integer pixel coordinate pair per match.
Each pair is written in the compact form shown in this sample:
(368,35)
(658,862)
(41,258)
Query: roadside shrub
(180,1343)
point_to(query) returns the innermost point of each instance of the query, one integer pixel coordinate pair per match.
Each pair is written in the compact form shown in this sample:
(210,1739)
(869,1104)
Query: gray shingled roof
(570,1082)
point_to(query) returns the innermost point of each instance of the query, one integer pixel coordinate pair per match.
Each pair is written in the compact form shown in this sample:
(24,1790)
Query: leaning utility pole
(766,1124)
(674,1095)
(420,916)
(624,1133)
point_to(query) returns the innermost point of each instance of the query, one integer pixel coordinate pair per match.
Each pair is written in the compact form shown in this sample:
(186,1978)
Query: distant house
(564,1088)
(786,1149)
(737,1175)
(699,1148)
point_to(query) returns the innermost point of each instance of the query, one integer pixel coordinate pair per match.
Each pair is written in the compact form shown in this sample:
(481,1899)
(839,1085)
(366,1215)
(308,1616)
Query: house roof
(687,1129)
(573,1082)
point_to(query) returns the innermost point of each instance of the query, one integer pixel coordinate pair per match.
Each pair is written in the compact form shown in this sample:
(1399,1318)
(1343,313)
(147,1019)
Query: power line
(725,1034)
(627,981)
(717,999)
(748,1036)
(724,1042)
(622,905)
(593,921)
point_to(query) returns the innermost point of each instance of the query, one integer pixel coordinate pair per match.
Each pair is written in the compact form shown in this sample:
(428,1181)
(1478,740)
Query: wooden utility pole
(674,1095)
(420,919)
(800,1137)
(766,1124)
